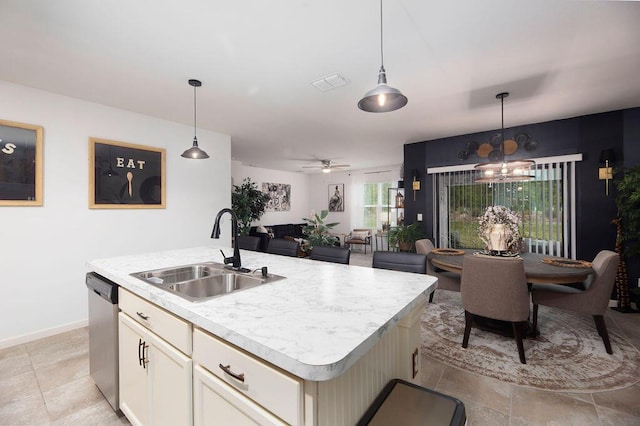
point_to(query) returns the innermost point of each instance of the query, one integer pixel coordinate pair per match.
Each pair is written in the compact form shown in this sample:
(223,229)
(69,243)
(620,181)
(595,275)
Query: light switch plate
(420,218)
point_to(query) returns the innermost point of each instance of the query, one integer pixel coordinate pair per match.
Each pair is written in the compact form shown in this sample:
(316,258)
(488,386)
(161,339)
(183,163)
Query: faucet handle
(227,260)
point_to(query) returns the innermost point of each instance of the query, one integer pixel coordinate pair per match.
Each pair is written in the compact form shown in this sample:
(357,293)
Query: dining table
(538,268)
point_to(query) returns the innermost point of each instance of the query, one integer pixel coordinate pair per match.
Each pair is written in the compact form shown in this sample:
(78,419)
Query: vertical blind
(545,204)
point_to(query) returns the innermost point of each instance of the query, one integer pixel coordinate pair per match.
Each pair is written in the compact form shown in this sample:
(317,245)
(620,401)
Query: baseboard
(25,338)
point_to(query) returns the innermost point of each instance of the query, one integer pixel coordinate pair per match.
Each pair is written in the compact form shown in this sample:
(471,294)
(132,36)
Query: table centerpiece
(499,230)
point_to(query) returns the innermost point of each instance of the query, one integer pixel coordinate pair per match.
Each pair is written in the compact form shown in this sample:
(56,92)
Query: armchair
(360,237)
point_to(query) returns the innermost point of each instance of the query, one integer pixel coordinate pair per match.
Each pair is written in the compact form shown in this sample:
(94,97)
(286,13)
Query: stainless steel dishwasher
(103,336)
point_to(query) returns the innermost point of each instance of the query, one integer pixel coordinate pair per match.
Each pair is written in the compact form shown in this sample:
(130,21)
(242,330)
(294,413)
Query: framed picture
(336,197)
(279,196)
(20,164)
(125,176)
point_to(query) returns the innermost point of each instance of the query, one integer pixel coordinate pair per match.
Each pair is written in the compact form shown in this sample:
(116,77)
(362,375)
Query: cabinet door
(133,372)
(217,403)
(170,384)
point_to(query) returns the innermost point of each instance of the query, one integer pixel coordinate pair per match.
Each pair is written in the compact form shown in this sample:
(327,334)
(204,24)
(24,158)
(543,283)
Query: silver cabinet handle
(227,369)
(143,316)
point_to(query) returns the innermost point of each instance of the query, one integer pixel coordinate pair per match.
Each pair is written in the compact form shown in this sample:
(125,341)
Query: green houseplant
(404,236)
(248,203)
(316,230)
(628,204)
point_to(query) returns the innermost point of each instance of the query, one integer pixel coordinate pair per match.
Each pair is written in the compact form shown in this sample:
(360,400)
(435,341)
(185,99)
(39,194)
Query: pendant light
(194,152)
(382,98)
(502,170)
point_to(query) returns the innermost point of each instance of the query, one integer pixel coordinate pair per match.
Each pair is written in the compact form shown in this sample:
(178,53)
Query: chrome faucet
(235,259)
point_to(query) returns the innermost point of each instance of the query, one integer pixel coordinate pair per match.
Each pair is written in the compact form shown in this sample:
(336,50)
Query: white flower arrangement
(495,215)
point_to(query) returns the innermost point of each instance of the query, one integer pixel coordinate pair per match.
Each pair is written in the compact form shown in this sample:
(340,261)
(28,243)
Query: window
(545,205)
(375,204)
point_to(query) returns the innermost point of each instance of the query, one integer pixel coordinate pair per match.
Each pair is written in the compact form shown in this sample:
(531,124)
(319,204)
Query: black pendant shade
(195,152)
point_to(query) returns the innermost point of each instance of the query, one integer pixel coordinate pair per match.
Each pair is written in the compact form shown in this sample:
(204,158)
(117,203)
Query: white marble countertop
(315,323)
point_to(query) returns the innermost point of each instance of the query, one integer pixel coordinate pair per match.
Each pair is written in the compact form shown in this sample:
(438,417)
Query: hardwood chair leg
(535,320)
(468,320)
(602,331)
(518,331)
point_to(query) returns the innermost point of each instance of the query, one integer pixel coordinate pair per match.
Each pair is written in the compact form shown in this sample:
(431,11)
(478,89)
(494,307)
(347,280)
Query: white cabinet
(241,386)
(155,377)
(217,403)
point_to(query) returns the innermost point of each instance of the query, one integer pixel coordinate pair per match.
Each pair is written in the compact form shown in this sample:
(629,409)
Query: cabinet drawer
(277,391)
(166,325)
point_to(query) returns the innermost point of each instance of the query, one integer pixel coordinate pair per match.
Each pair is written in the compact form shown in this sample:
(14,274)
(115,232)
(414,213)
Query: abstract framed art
(279,196)
(126,176)
(336,197)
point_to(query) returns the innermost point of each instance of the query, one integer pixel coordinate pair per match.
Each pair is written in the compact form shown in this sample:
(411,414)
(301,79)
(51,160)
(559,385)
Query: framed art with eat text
(125,176)
(20,164)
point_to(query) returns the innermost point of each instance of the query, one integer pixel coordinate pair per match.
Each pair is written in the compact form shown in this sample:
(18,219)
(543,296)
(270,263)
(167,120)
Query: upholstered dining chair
(593,300)
(247,242)
(446,280)
(495,288)
(400,261)
(283,247)
(331,254)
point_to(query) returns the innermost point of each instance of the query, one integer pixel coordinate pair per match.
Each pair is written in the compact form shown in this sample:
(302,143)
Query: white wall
(44,249)
(299,191)
(319,184)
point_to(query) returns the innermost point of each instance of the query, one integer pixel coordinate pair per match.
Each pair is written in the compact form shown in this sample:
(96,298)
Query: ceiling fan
(327,166)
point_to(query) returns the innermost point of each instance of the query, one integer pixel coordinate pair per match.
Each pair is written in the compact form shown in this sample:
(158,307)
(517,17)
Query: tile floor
(47,382)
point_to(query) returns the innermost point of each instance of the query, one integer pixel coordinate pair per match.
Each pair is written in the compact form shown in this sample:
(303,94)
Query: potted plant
(404,236)
(248,203)
(628,204)
(316,230)
(627,229)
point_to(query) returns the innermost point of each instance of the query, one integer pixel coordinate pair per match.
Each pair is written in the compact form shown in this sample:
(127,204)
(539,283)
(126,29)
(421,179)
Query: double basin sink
(203,281)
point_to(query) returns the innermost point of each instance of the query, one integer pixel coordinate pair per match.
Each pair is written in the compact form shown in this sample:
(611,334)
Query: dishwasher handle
(106,289)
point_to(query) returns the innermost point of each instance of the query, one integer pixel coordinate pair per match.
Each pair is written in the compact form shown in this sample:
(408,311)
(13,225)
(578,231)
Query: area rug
(567,356)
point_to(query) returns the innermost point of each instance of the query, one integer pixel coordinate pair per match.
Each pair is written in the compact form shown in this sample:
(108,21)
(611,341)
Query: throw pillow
(359,235)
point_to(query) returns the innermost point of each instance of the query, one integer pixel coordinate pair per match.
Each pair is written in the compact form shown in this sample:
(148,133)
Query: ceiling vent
(329,82)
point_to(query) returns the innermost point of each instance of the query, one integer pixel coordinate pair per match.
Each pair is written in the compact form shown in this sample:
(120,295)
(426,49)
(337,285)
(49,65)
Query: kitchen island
(338,332)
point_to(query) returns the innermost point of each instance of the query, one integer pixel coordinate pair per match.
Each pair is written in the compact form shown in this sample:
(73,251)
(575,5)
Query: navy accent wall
(588,135)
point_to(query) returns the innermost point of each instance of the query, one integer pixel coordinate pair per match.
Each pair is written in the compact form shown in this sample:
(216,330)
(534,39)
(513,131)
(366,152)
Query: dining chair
(400,261)
(283,247)
(331,254)
(593,300)
(495,288)
(446,280)
(247,242)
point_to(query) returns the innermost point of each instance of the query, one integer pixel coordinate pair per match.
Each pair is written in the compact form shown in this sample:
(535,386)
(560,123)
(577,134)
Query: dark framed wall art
(20,164)
(126,176)
(336,197)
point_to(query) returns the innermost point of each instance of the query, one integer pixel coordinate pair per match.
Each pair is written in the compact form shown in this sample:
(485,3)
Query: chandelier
(501,170)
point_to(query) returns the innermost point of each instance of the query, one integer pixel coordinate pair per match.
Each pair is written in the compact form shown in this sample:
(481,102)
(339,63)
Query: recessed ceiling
(256,59)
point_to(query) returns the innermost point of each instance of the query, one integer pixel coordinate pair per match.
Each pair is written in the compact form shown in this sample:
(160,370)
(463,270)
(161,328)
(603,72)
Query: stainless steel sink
(179,274)
(203,281)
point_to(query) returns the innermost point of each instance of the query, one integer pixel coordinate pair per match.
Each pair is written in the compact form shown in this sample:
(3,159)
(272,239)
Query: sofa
(292,230)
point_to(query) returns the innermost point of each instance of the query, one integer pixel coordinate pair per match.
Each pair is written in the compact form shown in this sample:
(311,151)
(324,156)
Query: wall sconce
(415,184)
(608,158)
